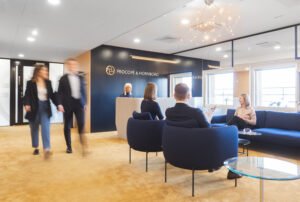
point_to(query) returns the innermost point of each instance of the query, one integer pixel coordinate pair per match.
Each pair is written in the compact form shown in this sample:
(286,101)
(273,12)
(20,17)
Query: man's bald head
(182,92)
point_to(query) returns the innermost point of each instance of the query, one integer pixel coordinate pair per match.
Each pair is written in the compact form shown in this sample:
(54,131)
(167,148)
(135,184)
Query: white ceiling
(80,25)
(255,16)
(73,27)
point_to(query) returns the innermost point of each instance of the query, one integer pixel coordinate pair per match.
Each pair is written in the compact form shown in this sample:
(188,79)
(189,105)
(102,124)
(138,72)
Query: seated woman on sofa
(244,116)
(149,104)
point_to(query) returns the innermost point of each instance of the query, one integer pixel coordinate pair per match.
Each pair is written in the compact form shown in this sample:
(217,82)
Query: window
(220,88)
(275,87)
(180,78)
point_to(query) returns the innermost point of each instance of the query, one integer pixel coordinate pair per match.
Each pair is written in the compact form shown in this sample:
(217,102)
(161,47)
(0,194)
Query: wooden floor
(106,175)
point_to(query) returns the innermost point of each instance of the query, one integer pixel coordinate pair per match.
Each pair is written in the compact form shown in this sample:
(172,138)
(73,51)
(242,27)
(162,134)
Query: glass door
(5,92)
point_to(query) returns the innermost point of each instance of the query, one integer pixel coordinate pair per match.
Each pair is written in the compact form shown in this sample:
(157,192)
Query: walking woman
(37,106)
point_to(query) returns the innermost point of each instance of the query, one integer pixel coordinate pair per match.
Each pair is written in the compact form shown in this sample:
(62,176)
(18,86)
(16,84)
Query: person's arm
(201,119)
(51,94)
(83,90)
(252,120)
(59,95)
(26,98)
(158,111)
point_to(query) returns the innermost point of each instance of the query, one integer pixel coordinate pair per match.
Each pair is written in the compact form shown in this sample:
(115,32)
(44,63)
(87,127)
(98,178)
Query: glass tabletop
(241,132)
(263,168)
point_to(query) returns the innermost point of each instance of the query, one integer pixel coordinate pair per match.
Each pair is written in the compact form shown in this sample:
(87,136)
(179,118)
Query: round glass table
(263,168)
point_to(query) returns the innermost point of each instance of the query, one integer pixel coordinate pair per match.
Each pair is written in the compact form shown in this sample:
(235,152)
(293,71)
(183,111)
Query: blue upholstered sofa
(276,127)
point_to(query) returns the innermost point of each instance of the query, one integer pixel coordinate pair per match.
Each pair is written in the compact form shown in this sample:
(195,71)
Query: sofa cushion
(142,116)
(260,119)
(280,136)
(282,120)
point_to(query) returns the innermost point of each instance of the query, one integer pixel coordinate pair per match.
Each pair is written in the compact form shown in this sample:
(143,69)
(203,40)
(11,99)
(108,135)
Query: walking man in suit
(71,97)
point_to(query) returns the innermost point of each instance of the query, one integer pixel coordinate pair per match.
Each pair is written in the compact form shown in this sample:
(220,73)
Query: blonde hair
(150,91)
(246,99)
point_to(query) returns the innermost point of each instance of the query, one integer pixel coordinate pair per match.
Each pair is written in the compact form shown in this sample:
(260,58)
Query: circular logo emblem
(110,70)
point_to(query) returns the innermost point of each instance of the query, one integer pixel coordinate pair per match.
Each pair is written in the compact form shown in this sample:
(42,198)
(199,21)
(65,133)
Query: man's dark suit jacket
(64,94)
(182,112)
(31,99)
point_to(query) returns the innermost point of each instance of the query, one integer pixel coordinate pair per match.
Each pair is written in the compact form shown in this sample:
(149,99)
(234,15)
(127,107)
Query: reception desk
(125,107)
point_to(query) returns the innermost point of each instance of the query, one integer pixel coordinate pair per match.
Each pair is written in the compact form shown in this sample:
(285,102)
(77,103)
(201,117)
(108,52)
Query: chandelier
(210,21)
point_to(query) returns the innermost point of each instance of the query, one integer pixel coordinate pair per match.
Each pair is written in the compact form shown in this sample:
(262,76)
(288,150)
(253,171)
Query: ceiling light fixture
(137,40)
(214,20)
(185,21)
(277,47)
(21,55)
(208,2)
(136,57)
(218,49)
(34,32)
(54,2)
(225,56)
(206,37)
(30,39)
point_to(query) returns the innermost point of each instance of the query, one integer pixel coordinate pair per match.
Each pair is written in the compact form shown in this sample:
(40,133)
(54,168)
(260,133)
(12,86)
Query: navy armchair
(198,148)
(144,136)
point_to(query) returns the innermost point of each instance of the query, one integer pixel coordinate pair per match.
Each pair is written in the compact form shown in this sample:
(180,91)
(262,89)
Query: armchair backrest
(145,135)
(199,148)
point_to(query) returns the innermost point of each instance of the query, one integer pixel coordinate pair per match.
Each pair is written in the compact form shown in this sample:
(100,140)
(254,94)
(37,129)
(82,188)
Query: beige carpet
(106,175)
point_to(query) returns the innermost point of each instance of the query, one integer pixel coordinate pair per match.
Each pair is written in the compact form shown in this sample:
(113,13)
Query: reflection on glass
(220,89)
(271,46)
(280,166)
(219,52)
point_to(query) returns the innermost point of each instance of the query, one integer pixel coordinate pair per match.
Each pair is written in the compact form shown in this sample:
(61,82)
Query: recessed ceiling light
(206,37)
(218,49)
(225,56)
(137,40)
(21,55)
(30,39)
(277,47)
(34,32)
(185,21)
(54,2)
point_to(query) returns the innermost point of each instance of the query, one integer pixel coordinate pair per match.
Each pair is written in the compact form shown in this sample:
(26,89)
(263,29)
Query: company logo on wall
(111,71)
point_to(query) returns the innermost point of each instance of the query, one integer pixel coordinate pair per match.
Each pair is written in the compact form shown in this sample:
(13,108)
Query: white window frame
(205,86)
(269,67)
(179,75)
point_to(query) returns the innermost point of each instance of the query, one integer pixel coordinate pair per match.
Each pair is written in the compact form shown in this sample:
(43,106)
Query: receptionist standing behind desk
(127,90)
(148,104)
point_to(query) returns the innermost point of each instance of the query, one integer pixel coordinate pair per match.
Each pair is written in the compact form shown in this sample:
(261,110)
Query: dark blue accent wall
(105,88)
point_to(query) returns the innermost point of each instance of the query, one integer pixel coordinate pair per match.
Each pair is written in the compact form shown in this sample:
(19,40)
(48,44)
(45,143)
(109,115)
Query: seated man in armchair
(182,112)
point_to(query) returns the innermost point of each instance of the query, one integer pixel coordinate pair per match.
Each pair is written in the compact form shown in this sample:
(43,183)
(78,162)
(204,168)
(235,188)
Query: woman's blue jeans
(42,118)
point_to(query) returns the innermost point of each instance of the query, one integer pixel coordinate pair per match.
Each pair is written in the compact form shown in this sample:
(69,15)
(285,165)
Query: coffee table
(263,168)
(244,142)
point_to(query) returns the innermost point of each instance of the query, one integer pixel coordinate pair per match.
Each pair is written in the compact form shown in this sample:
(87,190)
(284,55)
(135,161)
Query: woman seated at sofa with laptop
(149,104)
(244,116)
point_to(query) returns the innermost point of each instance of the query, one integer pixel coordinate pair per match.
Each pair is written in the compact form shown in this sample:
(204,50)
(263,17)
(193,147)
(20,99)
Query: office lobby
(94,140)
